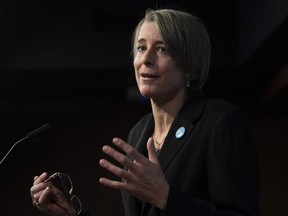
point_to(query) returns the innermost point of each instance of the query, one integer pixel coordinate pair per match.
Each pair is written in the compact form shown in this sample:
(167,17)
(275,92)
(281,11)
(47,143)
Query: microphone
(28,136)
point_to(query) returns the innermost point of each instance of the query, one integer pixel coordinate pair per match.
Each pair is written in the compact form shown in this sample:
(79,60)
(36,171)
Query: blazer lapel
(186,118)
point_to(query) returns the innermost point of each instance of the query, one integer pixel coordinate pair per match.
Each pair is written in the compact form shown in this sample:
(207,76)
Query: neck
(161,127)
(164,113)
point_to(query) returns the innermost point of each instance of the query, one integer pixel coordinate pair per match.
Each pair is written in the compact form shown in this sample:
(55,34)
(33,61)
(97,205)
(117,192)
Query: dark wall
(68,64)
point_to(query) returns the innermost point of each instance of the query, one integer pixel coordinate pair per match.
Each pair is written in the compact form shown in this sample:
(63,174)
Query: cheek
(136,71)
(177,78)
(136,62)
(136,77)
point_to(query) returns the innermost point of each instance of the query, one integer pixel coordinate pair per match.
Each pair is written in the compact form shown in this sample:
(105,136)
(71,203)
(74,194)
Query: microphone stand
(28,136)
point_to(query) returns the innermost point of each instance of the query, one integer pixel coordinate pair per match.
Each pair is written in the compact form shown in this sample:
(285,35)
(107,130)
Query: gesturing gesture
(141,177)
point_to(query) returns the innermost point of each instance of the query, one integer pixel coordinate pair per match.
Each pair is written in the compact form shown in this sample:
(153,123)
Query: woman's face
(157,75)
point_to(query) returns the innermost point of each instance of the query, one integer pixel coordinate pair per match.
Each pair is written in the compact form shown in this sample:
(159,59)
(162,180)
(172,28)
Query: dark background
(68,63)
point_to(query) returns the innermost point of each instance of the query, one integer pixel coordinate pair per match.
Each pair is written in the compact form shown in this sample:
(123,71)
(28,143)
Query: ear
(187,76)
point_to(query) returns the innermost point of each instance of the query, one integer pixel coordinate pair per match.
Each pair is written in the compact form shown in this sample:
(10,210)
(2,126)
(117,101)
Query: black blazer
(211,169)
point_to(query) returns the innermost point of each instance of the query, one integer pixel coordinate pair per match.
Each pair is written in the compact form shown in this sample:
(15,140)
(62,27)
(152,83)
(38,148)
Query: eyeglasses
(64,184)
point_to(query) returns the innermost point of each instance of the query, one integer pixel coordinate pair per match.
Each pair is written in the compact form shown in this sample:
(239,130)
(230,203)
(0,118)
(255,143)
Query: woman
(192,155)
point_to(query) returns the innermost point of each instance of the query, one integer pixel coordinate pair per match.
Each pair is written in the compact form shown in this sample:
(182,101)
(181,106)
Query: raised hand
(141,177)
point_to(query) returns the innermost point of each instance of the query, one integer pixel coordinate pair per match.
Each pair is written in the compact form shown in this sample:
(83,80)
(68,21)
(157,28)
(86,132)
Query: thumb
(152,151)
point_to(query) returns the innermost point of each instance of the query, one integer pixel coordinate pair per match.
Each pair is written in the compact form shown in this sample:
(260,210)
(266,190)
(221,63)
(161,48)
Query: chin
(148,92)
(146,95)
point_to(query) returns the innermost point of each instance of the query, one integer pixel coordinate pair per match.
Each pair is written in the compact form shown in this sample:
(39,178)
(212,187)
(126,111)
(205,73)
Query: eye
(162,49)
(141,48)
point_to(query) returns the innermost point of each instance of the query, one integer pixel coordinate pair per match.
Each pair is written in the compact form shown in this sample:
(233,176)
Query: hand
(142,178)
(48,199)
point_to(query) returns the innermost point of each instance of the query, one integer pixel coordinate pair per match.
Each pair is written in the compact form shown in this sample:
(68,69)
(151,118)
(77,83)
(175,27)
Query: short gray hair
(186,40)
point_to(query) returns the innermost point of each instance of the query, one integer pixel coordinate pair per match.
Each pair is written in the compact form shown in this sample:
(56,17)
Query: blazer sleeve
(232,173)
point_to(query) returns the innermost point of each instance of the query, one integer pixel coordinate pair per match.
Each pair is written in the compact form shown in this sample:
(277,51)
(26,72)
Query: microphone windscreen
(38,130)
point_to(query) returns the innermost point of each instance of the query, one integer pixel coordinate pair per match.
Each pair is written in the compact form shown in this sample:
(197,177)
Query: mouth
(148,76)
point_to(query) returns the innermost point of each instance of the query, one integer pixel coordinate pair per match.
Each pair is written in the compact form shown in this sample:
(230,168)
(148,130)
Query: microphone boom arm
(28,136)
(13,147)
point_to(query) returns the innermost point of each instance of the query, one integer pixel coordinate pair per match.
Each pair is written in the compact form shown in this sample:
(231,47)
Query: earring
(188,84)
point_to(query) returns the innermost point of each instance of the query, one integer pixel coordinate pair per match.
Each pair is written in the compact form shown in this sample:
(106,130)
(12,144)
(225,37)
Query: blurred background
(68,63)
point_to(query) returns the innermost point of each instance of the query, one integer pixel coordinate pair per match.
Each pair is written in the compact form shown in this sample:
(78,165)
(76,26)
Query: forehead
(149,31)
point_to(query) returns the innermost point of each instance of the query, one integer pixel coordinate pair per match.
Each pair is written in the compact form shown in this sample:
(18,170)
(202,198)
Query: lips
(148,75)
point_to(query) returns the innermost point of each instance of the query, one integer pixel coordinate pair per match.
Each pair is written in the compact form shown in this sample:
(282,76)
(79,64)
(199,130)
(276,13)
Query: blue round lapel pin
(180,132)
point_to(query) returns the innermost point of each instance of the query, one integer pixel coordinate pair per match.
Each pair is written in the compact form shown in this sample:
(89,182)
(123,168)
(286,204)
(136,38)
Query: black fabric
(86,213)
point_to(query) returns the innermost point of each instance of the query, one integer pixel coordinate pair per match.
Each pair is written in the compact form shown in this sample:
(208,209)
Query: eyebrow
(143,40)
(140,40)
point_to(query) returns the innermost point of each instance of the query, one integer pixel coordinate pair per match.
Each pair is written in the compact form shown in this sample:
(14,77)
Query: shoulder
(200,106)
(219,106)
(139,127)
(225,113)
(222,107)
(143,121)
(214,111)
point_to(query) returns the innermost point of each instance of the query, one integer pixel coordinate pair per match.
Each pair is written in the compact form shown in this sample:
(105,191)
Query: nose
(149,57)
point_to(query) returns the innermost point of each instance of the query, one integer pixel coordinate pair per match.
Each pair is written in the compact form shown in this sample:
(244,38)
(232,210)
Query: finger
(44,196)
(37,190)
(128,149)
(41,178)
(152,151)
(38,186)
(43,200)
(112,184)
(121,173)
(122,159)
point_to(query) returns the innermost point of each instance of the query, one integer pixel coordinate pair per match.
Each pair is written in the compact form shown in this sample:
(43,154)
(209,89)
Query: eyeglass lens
(66,183)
